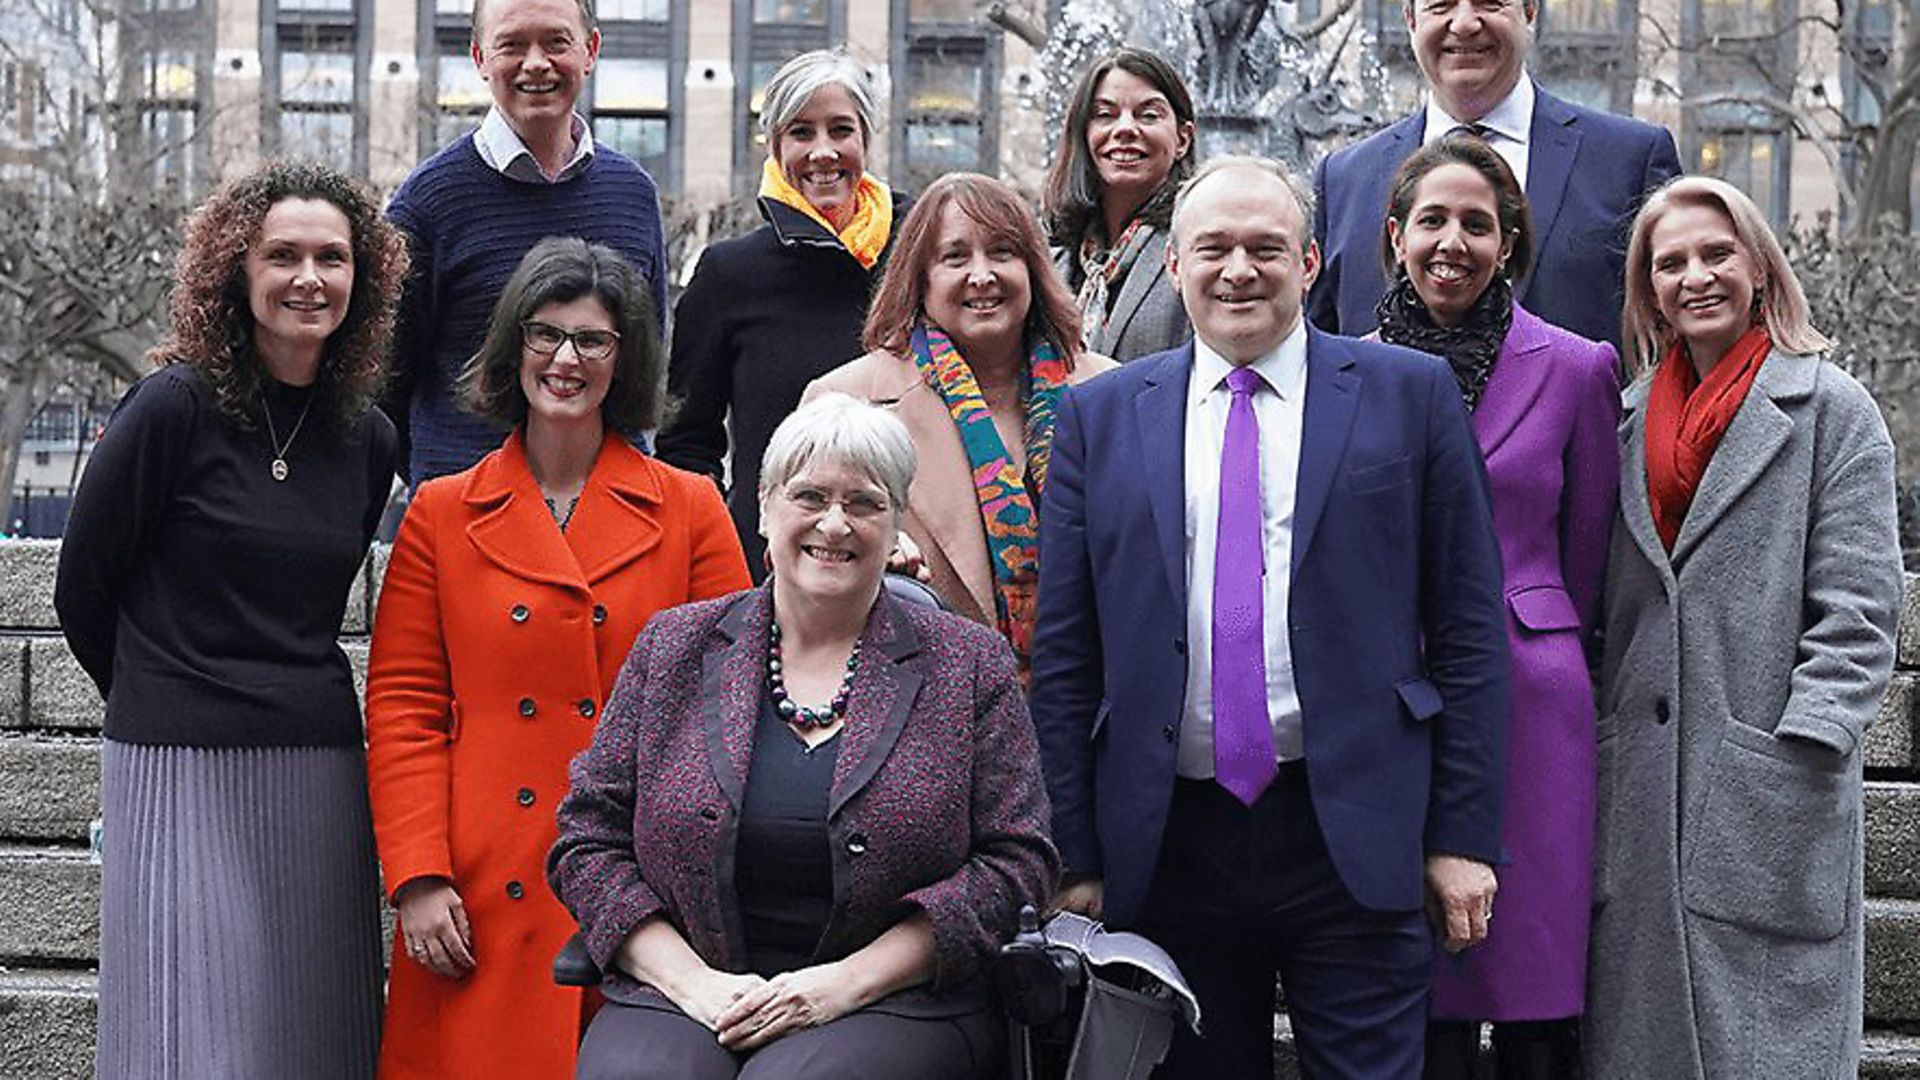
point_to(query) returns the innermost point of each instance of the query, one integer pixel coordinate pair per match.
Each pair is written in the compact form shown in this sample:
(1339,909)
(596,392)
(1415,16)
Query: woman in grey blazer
(1753,583)
(1128,146)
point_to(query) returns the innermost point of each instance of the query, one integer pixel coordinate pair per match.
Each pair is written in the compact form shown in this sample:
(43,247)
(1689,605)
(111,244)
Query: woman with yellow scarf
(769,312)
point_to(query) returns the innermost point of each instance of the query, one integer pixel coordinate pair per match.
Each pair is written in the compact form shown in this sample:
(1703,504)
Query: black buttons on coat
(519,613)
(515,890)
(587,708)
(525,796)
(857,844)
(1169,733)
(526,706)
(599,614)
(710,813)
(1180,646)
(1661,712)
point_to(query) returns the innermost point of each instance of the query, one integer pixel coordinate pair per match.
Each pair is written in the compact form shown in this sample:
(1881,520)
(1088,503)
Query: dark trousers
(659,1042)
(1242,893)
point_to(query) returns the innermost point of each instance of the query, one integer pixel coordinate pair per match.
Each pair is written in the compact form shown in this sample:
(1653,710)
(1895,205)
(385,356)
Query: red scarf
(1686,416)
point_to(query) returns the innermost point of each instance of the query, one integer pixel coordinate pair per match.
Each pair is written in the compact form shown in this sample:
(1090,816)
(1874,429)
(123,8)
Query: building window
(317,68)
(946,64)
(1735,18)
(630,109)
(1733,53)
(1753,161)
(170,117)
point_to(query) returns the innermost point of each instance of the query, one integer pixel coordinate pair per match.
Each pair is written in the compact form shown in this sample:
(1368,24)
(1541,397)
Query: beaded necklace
(801,716)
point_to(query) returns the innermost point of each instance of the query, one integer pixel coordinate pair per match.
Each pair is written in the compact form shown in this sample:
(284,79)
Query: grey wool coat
(1146,315)
(1738,678)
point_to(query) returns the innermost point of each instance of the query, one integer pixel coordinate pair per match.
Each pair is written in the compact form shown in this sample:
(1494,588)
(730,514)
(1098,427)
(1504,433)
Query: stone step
(1893,839)
(1889,742)
(1890,1055)
(1893,962)
(49,787)
(47,1024)
(49,906)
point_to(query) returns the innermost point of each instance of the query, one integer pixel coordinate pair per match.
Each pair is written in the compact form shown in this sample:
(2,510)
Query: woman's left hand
(790,1001)
(906,559)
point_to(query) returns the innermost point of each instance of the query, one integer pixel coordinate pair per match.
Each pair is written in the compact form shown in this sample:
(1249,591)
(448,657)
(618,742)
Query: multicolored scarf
(867,231)
(1007,499)
(1686,416)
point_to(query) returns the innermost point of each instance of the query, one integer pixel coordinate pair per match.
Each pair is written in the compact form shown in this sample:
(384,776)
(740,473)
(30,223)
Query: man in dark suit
(1584,172)
(1270,663)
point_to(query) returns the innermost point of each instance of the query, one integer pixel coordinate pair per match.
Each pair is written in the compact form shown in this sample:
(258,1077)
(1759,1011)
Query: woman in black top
(769,312)
(219,525)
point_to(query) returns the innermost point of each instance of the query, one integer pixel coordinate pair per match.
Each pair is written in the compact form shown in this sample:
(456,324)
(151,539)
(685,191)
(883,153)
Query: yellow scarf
(866,234)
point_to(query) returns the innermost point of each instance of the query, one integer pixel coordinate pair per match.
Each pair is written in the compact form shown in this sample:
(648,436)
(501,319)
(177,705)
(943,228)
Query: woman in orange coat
(553,551)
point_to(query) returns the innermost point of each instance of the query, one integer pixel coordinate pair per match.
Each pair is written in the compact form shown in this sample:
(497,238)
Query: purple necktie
(1242,731)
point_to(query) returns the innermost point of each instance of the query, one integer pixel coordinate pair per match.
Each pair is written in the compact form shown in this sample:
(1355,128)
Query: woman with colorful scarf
(1544,404)
(973,338)
(1753,586)
(768,312)
(1129,145)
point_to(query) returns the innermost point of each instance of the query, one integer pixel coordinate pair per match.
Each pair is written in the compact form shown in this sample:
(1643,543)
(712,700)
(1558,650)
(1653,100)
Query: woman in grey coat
(1753,583)
(1128,146)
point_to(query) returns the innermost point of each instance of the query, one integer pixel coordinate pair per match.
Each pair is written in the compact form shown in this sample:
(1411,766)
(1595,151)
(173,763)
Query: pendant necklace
(279,467)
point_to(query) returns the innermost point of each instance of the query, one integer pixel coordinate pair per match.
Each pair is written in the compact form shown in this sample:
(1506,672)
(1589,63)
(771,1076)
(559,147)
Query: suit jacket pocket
(1420,696)
(1775,840)
(1543,608)
(1385,476)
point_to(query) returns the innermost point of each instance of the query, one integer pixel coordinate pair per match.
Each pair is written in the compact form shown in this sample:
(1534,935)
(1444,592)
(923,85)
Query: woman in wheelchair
(811,812)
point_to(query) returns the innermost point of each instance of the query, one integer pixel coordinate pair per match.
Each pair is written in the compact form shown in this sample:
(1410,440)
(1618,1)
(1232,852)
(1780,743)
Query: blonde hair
(1783,303)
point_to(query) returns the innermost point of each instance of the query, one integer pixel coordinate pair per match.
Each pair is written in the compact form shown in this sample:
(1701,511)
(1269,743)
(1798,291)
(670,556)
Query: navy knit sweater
(468,227)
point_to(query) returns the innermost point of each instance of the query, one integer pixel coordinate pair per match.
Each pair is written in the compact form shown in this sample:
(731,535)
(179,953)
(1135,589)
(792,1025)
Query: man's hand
(1460,898)
(1087,896)
(790,1001)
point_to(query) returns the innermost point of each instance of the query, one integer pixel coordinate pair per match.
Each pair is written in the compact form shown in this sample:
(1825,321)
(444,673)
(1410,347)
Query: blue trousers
(1244,893)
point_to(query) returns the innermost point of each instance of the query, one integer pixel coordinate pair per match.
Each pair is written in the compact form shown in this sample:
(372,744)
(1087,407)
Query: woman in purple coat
(1545,403)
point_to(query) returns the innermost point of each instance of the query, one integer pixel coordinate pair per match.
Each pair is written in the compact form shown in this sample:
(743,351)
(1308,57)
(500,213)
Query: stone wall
(50,793)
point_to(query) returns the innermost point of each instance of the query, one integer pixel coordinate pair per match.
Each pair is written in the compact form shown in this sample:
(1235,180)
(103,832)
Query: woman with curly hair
(220,523)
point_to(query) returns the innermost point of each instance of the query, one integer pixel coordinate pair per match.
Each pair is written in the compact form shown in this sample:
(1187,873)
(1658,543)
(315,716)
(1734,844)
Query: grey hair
(1302,194)
(791,87)
(838,427)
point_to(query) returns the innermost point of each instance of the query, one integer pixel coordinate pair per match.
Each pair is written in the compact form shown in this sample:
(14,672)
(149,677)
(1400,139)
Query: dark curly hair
(212,318)
(558,270)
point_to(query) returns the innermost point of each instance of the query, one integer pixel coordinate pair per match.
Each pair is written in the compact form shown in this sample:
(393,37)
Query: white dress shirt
(1508,125)
(1279,408)
(500,147)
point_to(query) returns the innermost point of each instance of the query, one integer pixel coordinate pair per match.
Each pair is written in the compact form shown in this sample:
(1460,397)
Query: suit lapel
(1333,396)
(511,526)
(1758,432)
(1553,141)
(1635,510)
(730,680)
(620,507)
(1160,418)
(1133,293)
(1519,374)
(877,714)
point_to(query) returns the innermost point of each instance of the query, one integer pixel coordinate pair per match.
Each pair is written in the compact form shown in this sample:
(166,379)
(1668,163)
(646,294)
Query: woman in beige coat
(973,338)
(1752,591)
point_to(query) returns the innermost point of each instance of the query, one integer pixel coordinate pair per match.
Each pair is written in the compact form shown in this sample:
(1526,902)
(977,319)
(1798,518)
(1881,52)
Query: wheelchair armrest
(573,967)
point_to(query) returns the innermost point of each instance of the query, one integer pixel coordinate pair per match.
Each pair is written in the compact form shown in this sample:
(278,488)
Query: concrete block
(47,1024)
(1889,741)
(1893,961)
(357,653)
(26,584)
(376,572)
(357,619)
(49,787)
(13,682)
(59,693)
(49,905)
(1907,651)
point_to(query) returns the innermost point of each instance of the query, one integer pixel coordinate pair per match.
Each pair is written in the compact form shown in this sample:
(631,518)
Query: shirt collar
(500,147)
(1284,369)
(1511,119)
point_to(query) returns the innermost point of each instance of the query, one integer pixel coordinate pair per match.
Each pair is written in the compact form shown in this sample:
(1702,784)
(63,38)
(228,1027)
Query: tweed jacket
(1147,315)
(1739,675)
(496,644)
(943,511)
(937,802)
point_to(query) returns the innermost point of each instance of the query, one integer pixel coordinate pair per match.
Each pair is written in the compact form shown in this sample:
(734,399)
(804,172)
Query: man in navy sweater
(1584,172)
(473,210)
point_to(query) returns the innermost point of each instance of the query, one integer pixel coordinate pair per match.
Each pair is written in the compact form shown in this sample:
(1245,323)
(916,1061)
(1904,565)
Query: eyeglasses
(546,339)
(859,505)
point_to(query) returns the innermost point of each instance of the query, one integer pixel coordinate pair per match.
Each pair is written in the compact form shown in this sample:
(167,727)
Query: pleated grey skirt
(239,919)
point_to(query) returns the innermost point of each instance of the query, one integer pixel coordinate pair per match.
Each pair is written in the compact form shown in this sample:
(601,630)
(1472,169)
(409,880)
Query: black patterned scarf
(1471,348)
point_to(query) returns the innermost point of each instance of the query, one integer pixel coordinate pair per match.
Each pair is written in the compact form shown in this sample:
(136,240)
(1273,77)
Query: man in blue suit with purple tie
(1269,673)
(1584,171)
